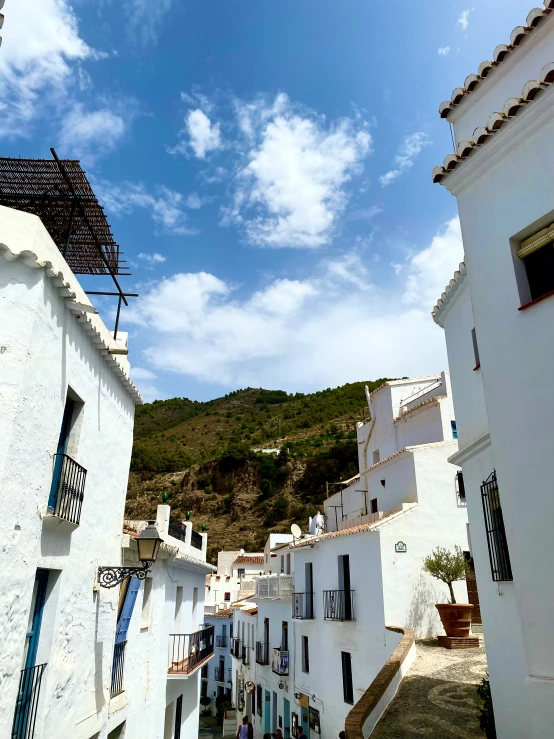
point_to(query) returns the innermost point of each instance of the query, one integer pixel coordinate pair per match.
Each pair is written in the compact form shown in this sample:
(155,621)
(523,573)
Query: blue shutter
(127,610)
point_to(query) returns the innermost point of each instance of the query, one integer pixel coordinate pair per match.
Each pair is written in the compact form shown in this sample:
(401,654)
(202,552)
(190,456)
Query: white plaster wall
(148,689)
(469,400)
(439,519)
(366,638)
(47,351)
(507,80)
(422,426)
(516,351)
(400,482)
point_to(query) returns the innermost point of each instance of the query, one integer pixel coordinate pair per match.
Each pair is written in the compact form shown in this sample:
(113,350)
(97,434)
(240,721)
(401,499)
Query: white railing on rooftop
(274,586)
(419,394)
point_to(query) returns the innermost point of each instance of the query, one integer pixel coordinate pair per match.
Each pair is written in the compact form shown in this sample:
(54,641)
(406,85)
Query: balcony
(280,662)
(236,647)
(245,655)
(188,652)
(221,641)
(25,714)
(338,605)
(274,586)
(262,653)
(118,666)
(196,540)
(303,605)
(68,487)
(219,674)
(178,530)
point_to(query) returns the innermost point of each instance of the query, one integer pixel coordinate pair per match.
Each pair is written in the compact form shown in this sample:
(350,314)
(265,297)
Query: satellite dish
(242,551)
(296,531)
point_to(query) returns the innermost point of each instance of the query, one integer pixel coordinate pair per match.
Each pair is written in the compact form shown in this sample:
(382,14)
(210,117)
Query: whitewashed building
(66,432)
(217,677)
(162,638)
(497,314)
(80,659)
(407,497)
(233,578)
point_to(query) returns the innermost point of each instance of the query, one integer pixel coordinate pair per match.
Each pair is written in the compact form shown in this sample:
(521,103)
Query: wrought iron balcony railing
(262,653)
(303,605)
(196,540)
(25,715)
(236,647)
(338,605)
(68,487)
(229,675)
(280,662)
(221,641)
(219,674)
(499,555)
(187,652)
(118,667)
(245,654)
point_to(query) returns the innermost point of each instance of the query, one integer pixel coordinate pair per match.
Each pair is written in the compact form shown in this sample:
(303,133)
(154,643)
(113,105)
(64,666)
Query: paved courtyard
(437,699)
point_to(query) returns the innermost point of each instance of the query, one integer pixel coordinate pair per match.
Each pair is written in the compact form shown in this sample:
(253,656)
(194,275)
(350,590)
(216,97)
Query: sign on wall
(400,547)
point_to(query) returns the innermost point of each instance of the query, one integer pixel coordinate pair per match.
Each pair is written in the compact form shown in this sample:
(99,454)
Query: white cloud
(463,20)
(151,259)
(325,330)
(290,185)
(40,57)
(430,270)
(203,135)
(165,205)
(145,18)
(408,151)
(194,201)
(86,134)
(146,383)
(444,51)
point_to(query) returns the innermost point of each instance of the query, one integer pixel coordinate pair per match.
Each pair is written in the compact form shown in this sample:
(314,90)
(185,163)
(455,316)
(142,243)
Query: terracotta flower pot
(455,617)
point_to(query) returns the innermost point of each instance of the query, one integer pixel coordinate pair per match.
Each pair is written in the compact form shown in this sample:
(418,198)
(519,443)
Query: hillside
(203,455)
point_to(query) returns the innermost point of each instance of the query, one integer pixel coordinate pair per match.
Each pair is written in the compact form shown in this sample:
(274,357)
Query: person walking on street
(245,730)
(301,734)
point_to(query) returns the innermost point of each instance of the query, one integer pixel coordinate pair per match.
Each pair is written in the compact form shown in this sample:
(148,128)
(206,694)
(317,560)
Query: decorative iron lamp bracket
(148,545)
(109,577)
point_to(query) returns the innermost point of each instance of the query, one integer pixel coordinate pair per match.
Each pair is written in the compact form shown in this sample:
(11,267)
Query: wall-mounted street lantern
(148,545)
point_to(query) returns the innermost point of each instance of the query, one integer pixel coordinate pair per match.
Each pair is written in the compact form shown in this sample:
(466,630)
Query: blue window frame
(61,449)
(454,429)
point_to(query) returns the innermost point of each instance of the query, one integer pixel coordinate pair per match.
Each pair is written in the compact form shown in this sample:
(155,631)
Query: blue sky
(265,167)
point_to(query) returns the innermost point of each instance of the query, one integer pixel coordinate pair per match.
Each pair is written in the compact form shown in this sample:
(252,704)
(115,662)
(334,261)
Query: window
(284,636)
(499,555)
(227,596)
(288,570)
(146,603)
(454,429)
(178,605)
(118,732)
(241,572)
(204,689)
(537,255)
(460,486)
(178,717)
(374,506)
(347,689)
(259,699)
(305,655)
(475,349)
(375,456)
(194,602)
(282,563)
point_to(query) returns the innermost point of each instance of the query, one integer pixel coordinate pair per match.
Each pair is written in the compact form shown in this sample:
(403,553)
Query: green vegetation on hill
(203,456)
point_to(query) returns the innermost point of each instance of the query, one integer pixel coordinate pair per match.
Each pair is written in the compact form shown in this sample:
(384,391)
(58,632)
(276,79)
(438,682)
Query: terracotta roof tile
(249,559)
(501,52)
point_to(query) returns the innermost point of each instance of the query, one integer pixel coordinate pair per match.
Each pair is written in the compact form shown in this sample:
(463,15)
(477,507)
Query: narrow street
(438,698)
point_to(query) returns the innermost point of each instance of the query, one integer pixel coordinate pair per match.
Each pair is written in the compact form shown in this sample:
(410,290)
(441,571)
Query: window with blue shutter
(127,610)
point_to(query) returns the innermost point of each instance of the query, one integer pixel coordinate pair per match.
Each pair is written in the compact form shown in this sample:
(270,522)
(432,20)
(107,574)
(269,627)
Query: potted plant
(449,567)
(205,701)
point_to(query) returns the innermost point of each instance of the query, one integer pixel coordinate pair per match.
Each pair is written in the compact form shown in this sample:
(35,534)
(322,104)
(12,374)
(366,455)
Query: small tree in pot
(449,567)
(205,701)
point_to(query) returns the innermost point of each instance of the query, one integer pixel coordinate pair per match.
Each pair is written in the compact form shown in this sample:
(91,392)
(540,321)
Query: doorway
(286,719)
(472,593)
(267,716)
